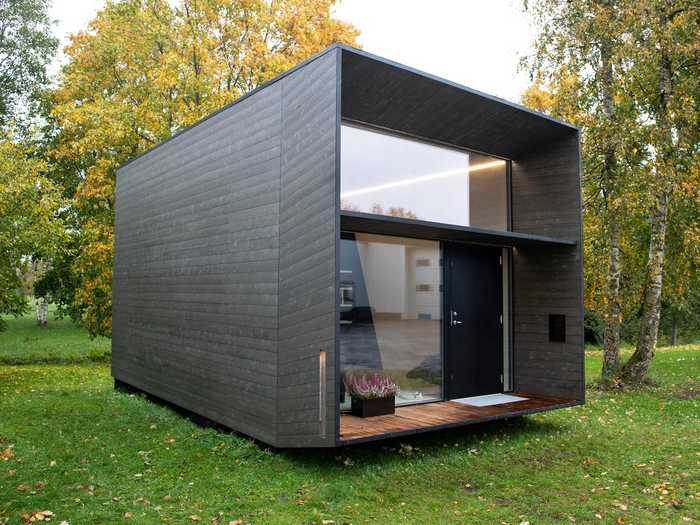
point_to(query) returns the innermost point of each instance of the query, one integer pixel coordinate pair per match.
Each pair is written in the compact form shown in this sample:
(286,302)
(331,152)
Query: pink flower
(370,385)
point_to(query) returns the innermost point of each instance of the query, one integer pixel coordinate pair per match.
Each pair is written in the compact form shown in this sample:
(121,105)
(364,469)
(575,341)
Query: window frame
(433,142)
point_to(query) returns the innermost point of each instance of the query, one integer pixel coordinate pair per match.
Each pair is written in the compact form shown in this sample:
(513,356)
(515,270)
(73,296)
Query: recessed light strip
(423,178)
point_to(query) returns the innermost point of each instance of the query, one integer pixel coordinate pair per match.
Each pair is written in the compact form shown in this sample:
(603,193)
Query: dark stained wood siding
(397,98)
(196,267)
(548,280)
(307,318)
(226,240)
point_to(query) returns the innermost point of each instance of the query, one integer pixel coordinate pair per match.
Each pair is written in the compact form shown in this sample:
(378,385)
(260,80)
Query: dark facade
(227,267)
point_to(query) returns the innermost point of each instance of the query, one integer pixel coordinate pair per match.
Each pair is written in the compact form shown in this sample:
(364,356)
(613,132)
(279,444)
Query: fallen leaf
(43,515)
(168,497)
(6,454)
(128,515)
(194,517)
(235,522)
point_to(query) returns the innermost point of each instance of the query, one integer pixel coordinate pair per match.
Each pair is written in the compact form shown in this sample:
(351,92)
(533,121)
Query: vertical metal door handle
(453,321)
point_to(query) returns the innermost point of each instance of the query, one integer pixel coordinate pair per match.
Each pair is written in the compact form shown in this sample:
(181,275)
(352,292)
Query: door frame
(507,320)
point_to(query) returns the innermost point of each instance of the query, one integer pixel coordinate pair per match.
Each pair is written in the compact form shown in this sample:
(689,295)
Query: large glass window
(387,174)
(390,303)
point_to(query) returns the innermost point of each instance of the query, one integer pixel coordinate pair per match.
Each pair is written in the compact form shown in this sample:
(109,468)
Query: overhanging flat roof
(388,94)
(393,96)
(399,226)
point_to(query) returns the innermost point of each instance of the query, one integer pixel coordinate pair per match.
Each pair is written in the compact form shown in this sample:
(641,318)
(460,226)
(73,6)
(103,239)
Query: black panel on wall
(557,328)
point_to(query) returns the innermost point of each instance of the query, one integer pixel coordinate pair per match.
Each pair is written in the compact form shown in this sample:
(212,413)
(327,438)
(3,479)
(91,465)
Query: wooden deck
(441,414)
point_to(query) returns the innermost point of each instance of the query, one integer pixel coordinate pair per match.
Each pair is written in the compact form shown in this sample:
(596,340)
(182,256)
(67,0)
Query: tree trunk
(42,311)
(611,332)
(674,330)
(636,369)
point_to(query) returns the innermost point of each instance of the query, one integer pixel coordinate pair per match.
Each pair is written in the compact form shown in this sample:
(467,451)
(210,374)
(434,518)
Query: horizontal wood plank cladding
(307,253)
(195,305)
(548,280)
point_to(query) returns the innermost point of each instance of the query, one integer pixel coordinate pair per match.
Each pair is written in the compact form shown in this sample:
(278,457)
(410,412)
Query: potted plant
(371,393)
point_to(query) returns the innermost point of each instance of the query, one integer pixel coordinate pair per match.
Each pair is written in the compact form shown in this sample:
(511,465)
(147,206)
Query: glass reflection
(390,302)
(386,174)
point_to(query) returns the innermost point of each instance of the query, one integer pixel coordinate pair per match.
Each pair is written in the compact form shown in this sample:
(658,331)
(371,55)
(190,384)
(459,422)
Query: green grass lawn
(59,342)
(75,447)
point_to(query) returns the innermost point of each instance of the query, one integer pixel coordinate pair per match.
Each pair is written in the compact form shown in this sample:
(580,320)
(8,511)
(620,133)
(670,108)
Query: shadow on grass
(470,438)
(92,357)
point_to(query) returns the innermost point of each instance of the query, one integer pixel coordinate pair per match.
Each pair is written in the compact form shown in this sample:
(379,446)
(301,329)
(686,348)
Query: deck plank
(440,414)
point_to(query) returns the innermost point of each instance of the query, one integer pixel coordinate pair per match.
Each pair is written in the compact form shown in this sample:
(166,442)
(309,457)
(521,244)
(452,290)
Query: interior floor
(441,414)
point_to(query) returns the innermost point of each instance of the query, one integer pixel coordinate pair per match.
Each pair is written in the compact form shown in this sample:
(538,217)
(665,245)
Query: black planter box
(372,407)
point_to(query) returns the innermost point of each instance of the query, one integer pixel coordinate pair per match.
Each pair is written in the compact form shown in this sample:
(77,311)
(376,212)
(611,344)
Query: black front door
(473,320)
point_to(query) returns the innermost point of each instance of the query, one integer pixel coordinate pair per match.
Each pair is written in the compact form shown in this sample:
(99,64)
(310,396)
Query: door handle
(453,320)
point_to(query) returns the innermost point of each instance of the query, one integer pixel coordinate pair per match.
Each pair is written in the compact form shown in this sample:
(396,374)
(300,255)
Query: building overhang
(393,96)
(399,226)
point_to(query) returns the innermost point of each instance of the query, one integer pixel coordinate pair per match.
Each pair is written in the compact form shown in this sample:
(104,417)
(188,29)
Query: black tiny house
(353,214)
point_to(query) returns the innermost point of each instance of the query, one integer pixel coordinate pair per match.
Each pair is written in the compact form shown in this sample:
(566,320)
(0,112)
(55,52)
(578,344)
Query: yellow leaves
(6,454)
(538,98)
(620,506)
(148,69)
(32,517)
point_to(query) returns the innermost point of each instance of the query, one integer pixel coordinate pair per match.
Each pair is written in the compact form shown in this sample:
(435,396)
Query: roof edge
(520,107)
(236,101)
(365,54)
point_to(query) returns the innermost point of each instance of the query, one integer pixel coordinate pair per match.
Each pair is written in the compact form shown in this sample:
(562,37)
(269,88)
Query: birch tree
(634,93)
(665,53)
(579,60)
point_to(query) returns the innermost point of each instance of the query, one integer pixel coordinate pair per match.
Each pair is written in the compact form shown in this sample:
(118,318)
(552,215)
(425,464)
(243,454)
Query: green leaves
(626,73)
(29,203)
(26,46)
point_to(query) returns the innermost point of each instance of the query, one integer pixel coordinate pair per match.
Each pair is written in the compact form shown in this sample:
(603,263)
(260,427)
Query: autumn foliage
(145,69)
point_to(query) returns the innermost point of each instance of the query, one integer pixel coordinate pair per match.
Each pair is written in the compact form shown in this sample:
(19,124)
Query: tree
(26,46)
(666,69)
(633,66)
(146,69)
(28,225)
(579,73)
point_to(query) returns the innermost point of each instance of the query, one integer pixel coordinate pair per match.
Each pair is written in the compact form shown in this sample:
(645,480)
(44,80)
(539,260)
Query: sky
(477,43)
